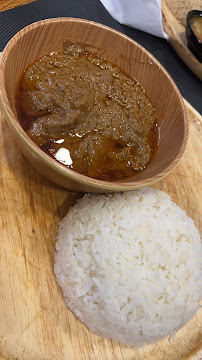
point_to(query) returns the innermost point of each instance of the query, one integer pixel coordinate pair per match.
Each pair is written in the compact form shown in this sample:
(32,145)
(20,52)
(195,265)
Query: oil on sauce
(196,25)
(87,114)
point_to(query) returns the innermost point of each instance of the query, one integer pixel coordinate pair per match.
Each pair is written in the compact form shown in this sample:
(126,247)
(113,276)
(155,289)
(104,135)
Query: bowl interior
(47,36)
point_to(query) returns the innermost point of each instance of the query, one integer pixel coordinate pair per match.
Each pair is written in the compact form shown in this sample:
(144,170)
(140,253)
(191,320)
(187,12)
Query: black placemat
(11,21)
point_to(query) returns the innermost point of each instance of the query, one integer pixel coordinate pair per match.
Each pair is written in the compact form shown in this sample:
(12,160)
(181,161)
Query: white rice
(130,265)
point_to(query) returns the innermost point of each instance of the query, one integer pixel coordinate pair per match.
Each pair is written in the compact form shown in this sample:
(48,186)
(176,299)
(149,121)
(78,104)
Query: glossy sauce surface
(87,114)
(196,25)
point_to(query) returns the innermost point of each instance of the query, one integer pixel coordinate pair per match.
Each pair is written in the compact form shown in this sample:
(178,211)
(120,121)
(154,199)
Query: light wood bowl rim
(57,167)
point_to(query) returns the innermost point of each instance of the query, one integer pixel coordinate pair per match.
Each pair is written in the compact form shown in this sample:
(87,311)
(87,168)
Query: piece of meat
(34,103)
(55,125)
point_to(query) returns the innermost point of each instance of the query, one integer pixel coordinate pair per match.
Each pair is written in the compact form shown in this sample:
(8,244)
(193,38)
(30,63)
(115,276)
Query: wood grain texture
(35,322)
(9,4)
(176,32)
(43,37)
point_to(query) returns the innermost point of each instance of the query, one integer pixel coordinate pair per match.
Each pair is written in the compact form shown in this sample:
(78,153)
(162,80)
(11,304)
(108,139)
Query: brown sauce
(196,25)
(87,114)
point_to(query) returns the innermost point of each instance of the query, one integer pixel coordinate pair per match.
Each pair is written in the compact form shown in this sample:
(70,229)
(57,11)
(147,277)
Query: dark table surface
(11,21)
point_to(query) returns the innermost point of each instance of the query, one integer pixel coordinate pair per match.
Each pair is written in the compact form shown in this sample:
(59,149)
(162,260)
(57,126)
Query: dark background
(11,21)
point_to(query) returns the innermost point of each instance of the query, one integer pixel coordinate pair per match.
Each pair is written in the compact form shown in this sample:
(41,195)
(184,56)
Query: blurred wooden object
(181,8)
(177,38)
(35,323)
(9,4)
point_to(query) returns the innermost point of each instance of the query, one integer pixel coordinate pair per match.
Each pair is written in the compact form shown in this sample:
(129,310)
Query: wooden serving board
(35,323)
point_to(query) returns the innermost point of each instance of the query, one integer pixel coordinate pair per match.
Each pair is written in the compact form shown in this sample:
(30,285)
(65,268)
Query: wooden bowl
(47,36)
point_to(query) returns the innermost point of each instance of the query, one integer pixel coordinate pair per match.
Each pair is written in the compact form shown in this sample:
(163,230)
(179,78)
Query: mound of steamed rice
(130,265)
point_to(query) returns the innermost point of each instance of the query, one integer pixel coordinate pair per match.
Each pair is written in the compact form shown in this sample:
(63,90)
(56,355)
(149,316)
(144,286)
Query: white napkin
(144,15)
